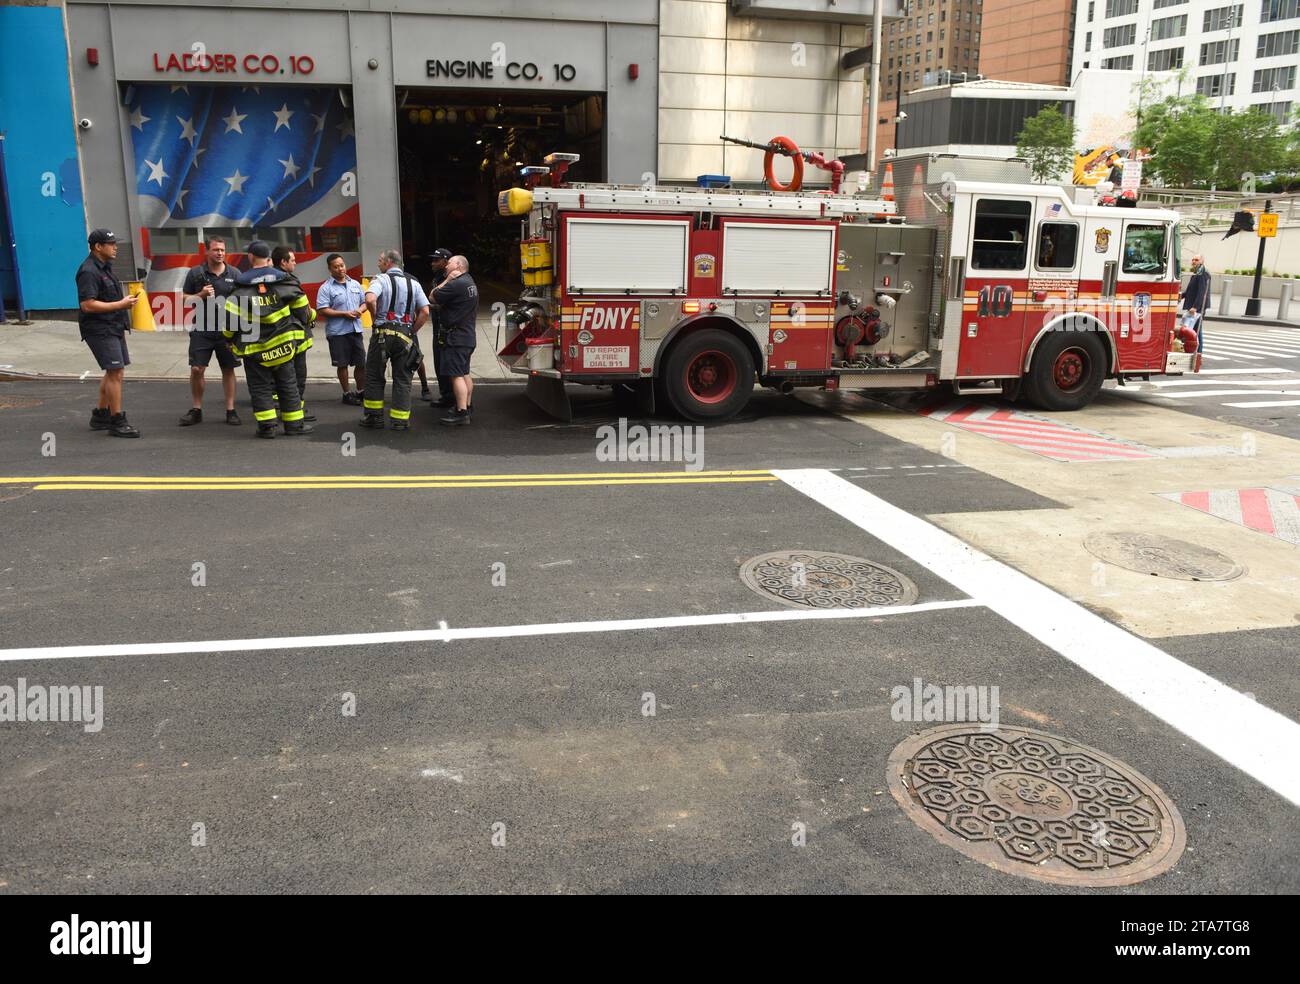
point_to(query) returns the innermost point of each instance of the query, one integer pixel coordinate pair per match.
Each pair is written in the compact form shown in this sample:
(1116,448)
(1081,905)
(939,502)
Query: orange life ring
(796,181)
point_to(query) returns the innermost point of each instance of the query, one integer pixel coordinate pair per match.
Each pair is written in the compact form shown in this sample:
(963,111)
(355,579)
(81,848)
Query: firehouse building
(350,127)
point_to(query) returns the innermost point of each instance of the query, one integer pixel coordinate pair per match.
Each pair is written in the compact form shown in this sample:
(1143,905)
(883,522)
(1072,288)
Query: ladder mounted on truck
(635,198)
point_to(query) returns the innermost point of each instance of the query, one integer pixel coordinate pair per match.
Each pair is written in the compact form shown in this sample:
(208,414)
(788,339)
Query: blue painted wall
(40,150)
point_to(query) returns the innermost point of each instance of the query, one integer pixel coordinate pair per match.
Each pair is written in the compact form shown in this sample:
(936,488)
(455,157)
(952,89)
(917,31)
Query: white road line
(1252,737)
(1191,394)
(1267,403)
(1215,350)
(1238,372)
(445,634)
(1221,382)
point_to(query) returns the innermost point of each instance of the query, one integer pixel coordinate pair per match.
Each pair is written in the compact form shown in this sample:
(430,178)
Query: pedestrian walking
(205,289)
(265,318)
(104,322)
(457,300)
(399,308)
(340,302)
(1196,299)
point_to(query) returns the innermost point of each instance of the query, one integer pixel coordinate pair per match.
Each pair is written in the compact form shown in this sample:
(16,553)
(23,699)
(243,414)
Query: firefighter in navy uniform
(399,308)
(265,318)
(446,398)
(282,259)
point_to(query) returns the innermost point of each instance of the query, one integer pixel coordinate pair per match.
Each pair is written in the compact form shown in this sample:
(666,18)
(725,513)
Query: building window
(1212,85)
(1276,10)
(929,37)
(1001,229)
(1219,52)
(1281,43)
(1161,4)
(1282,110)
(940,54)
(1118,8)
(1266,79)
(1119,37)
(1221,18)
(1087,41)
(1123,63)
(930,19)
(942,32)
(1091,7)
(1168,27)
(977,37)
(1164,60)
(966,53)
(1144,249)
(1058,245)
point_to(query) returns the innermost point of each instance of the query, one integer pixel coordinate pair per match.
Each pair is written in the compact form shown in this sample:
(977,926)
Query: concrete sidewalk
(54,350)
(1237,312)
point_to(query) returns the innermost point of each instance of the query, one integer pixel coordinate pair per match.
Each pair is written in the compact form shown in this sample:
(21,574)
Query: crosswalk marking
(1267,403)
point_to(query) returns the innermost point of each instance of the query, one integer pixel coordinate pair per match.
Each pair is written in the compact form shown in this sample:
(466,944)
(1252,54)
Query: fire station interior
(458,148)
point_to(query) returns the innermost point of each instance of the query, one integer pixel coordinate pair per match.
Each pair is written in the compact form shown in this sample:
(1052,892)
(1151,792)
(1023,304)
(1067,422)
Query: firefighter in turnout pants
(399,307)
(266,319)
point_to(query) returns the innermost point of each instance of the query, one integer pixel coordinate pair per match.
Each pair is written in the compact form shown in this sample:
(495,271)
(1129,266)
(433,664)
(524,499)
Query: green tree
(1047,142)
(1248,141)
(1183,139)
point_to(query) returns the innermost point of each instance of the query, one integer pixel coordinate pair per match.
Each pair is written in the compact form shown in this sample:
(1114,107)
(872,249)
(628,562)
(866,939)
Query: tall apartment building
(932,41)
(1238,55)
(1028,41)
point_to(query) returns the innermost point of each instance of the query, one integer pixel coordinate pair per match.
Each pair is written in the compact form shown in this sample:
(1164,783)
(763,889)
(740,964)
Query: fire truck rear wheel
(1067,372)
(708,375)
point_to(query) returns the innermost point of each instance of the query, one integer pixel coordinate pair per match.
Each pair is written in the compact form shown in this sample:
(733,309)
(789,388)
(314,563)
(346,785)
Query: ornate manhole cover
(817,579)
(1242,420)
(1037,805)
(1162,556)
(18,402)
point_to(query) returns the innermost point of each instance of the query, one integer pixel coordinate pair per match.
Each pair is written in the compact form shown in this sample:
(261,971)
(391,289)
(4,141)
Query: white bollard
(1225,297)
(1284,301)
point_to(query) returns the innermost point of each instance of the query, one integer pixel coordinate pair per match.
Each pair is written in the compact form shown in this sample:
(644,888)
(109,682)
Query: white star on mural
(180,197)
(187,130)
(290,168)
(197,154)
(156,172)
(233,120)
(255,88)
(236,182)
(320,122)
(270,204)
(311,175)
(345,129)
(282,117)
(181,88)
(138,119)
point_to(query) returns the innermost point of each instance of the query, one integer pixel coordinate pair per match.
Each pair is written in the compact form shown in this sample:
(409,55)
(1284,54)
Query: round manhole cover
(817,579)
(18,402)
(1162,556)
(1037,805)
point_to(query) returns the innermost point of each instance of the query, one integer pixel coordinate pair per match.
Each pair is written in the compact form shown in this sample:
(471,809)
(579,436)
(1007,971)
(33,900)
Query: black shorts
(109,350)
(455,360)
(347,350)
(203,344)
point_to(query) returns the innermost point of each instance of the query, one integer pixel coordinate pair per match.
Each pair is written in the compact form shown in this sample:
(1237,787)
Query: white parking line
(1267,403)
(1254,738)
(445,634)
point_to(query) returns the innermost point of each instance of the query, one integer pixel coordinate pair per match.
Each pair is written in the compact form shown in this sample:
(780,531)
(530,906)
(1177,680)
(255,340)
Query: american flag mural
(232,155)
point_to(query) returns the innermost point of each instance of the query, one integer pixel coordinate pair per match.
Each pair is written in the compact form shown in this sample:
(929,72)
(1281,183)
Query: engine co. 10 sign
(442,68)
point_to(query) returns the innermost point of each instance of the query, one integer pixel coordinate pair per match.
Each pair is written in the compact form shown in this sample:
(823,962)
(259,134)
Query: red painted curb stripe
(1255,512)
(1029,431)
(1065,440)
(1197,500)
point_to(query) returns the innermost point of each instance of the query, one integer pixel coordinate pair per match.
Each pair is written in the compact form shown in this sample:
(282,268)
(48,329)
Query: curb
(25,376)
(1267,322)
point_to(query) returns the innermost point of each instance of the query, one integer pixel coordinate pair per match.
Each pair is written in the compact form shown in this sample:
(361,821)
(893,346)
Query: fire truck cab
(686,297)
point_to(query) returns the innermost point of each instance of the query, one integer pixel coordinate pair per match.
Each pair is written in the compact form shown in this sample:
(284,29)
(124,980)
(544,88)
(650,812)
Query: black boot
(192,417)
(456,418)
(266,430)
(372,421)
(232,418)
(118,427)
(99,418)
(297,430)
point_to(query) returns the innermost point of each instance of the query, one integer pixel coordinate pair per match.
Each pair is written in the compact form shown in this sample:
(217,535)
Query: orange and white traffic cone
(886,191)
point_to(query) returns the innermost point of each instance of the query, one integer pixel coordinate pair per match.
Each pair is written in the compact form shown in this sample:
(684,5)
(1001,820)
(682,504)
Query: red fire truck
(685,297)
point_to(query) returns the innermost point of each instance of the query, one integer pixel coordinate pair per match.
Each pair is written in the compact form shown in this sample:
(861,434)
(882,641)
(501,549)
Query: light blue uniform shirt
(379,286)
(346,296)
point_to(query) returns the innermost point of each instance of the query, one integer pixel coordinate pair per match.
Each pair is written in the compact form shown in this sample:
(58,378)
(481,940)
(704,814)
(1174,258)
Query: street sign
(1268,225)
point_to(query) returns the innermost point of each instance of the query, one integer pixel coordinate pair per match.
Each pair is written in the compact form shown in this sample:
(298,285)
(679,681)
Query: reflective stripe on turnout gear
(399,414)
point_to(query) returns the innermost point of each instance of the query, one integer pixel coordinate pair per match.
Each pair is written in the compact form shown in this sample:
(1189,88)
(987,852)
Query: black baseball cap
(101,236)
(259,249)
(441,254)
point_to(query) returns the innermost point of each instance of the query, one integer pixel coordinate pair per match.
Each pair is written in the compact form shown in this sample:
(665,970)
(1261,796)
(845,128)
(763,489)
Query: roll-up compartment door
(777,257)
(619,256)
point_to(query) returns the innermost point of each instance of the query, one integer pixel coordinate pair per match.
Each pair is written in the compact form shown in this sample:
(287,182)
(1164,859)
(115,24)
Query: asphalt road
(757,726)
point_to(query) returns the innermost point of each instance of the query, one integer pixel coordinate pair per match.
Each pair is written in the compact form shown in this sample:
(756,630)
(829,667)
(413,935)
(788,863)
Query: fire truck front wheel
(1067,372)
(708,375)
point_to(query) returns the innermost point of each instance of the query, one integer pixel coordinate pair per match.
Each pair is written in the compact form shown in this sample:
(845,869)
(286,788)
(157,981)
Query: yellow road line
(267,486)
(208,479)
